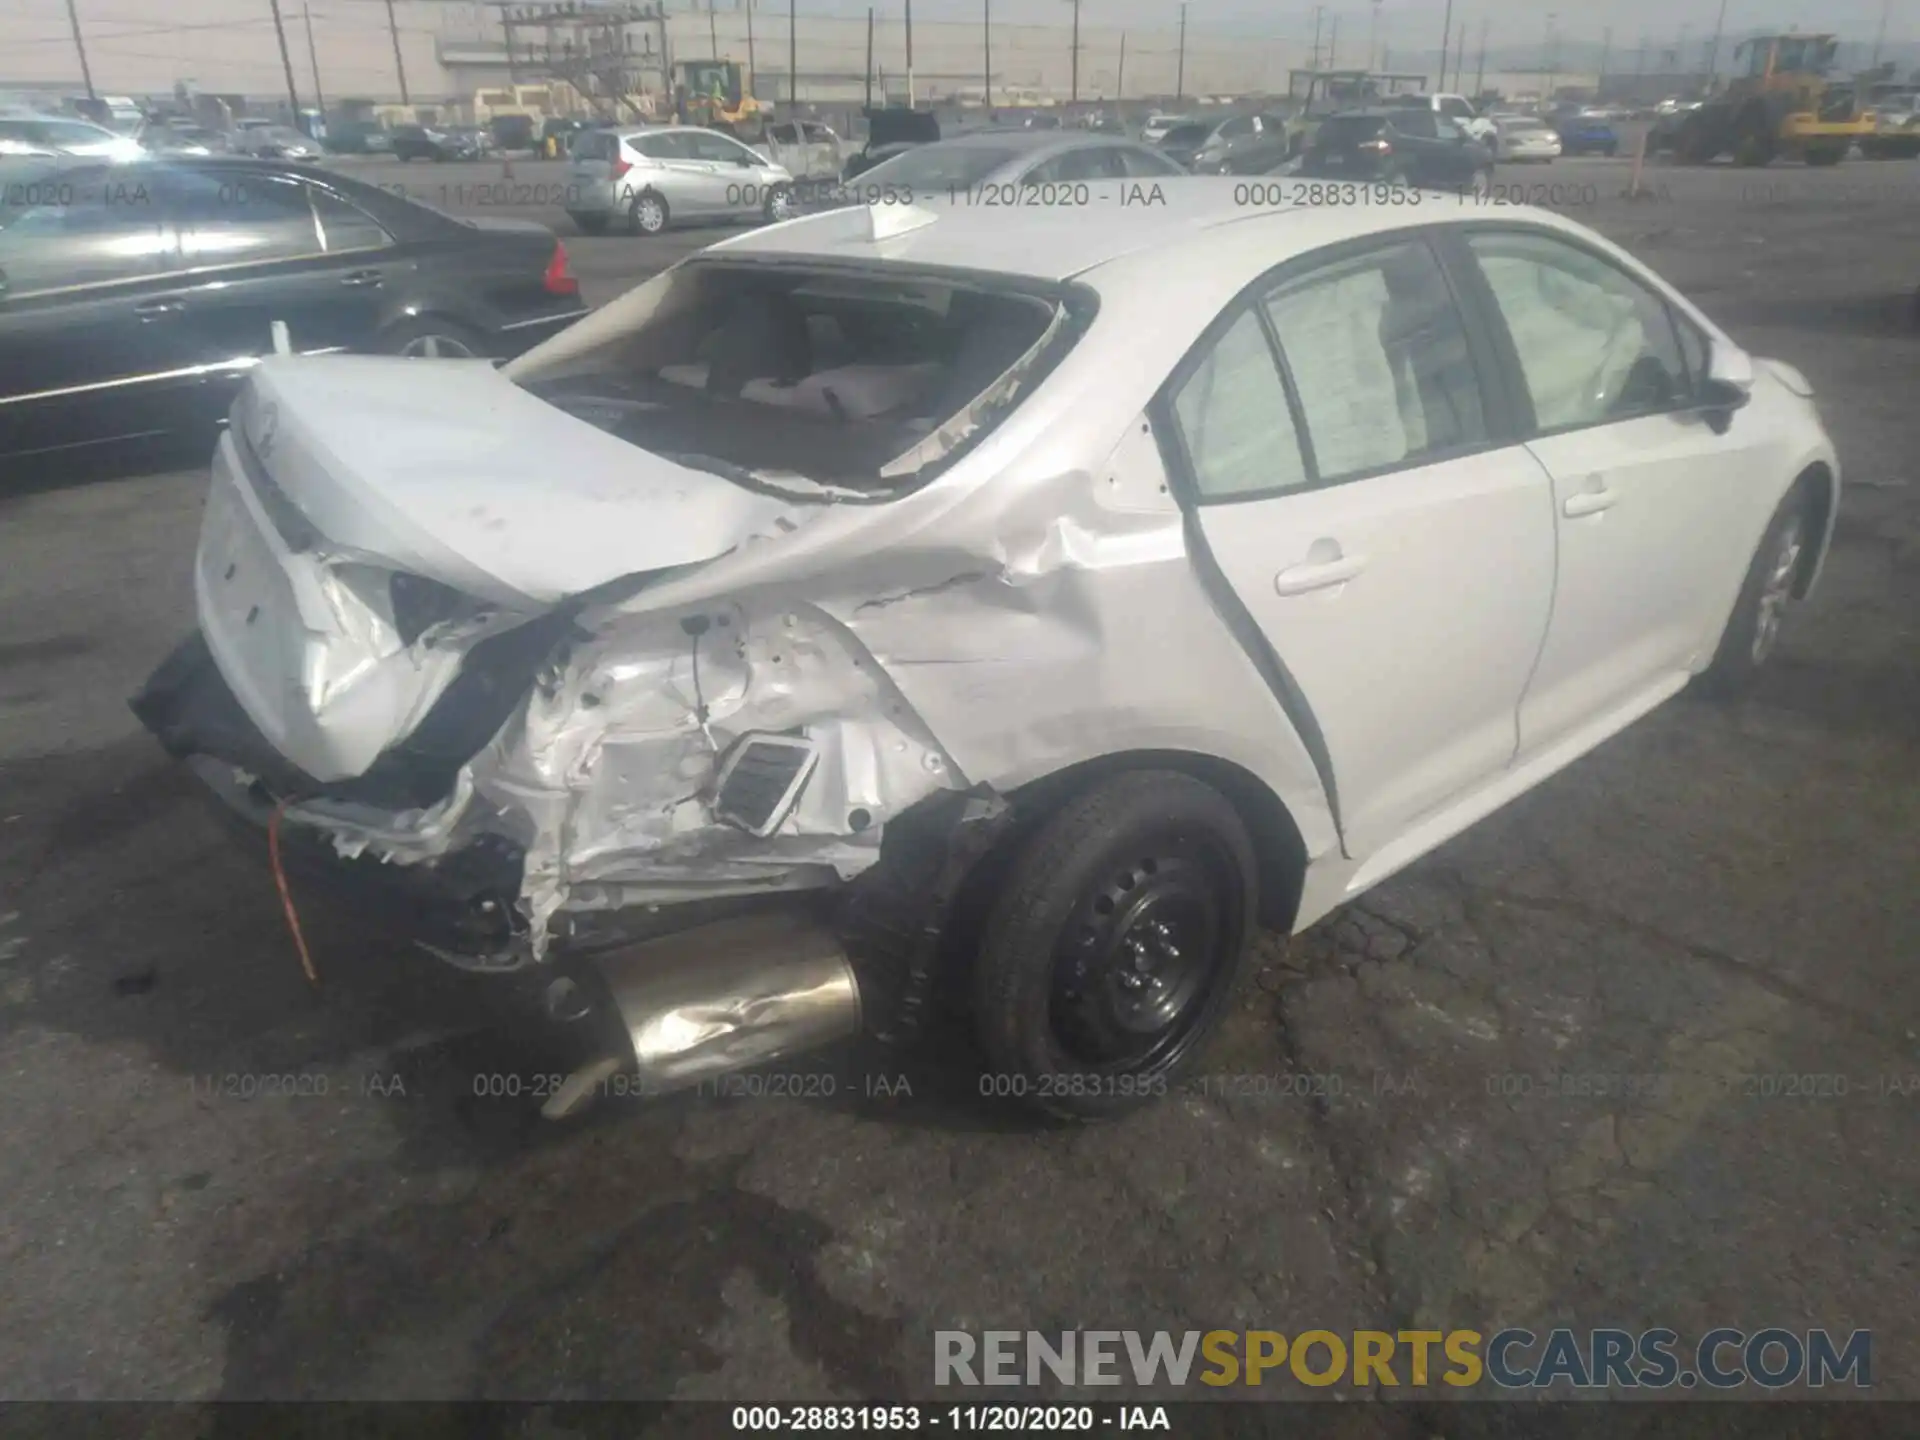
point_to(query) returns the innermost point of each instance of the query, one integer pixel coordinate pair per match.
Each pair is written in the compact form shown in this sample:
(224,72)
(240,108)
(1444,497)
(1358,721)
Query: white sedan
(982,587)
(1525,138)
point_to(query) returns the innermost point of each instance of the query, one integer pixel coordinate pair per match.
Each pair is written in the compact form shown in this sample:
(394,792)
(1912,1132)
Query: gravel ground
(1724,900)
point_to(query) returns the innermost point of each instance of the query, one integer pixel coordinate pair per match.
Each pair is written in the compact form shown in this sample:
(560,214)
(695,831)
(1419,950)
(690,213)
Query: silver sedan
(989,161)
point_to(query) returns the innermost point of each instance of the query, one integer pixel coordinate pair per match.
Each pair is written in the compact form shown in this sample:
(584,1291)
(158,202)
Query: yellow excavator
(1780,103)
(719,95)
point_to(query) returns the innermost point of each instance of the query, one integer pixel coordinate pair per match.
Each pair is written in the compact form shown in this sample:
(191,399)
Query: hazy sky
(1405,22)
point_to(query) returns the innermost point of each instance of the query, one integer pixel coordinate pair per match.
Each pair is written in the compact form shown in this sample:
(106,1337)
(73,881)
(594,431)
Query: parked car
(1412,146)
(63,135)
(277,142)
(514,132)
(805,149)
(472,142)
(1582,133)
(557,135)
(423,142)
(1524,138)
(184,140)
(650,178)
(1158,125)
(134,298)
(891,131)
(991,162)
(359,137)
(1206,568)
(1233,145)
(1457,108)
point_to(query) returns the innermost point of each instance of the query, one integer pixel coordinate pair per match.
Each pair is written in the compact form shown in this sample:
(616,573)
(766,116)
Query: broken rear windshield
(863,382)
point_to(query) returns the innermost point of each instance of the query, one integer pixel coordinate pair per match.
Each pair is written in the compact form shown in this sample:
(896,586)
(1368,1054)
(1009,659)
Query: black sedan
(1415,147)
(420,142)
(135,298)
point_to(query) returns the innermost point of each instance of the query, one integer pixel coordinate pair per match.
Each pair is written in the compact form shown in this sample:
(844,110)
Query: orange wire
(286,895)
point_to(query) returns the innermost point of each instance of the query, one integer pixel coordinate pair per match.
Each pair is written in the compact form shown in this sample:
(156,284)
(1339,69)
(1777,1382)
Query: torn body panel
(1031,608)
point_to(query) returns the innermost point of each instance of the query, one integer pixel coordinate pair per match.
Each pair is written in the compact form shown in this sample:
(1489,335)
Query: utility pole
(1480,60)
(1550,56)
(1180,65)
(86,70)
(313,59)
(1879,39)
(713,35)
(506,31)
(1373,36)
(399,65)
(793,54)
(1073,91)
(1333,42)
(286,61)
(1120,80)
(910,54)
(1719,22)
(1446,34)
(868,104)
(1460,57)
(1606,50)
(986,53)
(753,67)
(1319,12)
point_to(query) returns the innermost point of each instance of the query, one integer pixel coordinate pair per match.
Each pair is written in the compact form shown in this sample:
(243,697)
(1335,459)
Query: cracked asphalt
(1641,1050)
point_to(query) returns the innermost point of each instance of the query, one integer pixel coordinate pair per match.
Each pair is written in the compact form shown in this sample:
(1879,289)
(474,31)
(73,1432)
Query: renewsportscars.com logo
(1514,1359)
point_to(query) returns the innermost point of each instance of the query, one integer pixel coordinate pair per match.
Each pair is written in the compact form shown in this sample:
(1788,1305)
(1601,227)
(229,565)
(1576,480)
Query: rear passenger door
(1361,493)
(92,341)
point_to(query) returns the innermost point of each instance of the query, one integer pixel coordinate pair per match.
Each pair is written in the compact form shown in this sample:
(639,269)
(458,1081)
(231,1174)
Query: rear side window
(1234,419)
(1139,162)
(63,229)
(1093,163)
(344,226)
(1379,358)
(1351,131)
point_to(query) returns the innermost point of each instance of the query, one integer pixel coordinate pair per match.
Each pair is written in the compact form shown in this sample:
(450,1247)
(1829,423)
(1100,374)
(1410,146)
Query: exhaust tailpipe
(720,998)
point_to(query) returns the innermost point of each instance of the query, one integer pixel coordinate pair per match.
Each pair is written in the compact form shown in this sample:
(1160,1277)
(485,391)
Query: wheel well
(1817,481)
(1278,848)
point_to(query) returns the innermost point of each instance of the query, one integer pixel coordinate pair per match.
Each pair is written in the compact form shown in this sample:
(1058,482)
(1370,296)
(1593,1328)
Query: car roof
(1028,142)
(628,132)
(1057,243)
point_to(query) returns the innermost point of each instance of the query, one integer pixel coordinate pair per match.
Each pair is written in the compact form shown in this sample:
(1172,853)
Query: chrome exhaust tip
(719,998)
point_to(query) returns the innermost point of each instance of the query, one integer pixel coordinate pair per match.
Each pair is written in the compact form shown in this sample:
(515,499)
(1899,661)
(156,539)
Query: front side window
(674,145)
(1092,163)
(1594,344)
(1380,361)
(718,149)
(1235,421)
(1137,161)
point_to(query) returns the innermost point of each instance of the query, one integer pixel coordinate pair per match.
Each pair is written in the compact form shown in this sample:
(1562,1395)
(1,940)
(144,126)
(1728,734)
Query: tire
(594,223)
(779,204)
(1131,906)
(432,337)
(648,214)
(1753,629)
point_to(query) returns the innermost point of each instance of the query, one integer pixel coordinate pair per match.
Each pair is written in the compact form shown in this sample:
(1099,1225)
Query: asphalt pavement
(1642,1049)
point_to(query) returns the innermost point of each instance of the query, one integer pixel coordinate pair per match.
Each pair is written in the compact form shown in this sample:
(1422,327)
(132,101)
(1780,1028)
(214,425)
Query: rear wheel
(648,214)
(1753,630)
(1112,951)
(432,338)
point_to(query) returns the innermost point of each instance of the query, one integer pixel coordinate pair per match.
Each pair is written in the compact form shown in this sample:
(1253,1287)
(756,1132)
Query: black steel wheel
(1112,951)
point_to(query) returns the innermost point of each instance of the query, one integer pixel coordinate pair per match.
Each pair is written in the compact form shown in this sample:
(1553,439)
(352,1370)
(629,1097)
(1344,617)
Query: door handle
(1311,575)
(154,309)
(361,278)
(1589,502)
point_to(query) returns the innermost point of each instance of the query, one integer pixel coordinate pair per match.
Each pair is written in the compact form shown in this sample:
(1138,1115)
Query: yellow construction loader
(1780,103)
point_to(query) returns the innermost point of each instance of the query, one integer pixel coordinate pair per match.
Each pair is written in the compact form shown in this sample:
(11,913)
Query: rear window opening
(866,382)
